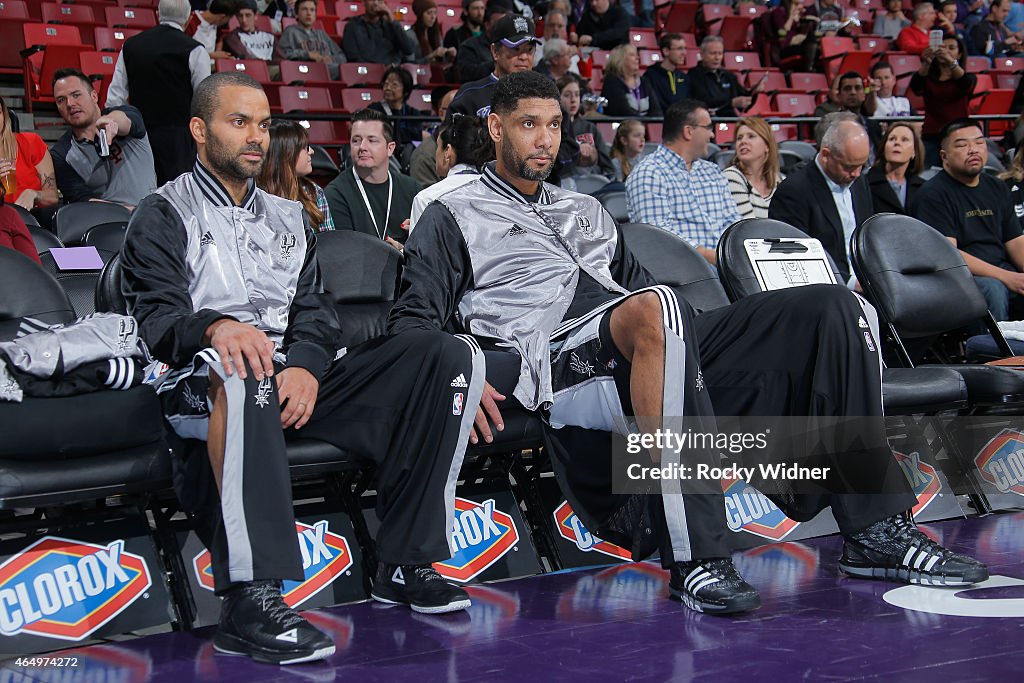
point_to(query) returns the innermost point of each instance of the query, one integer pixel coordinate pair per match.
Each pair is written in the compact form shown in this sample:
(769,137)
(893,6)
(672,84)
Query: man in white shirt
(247,41)
(881,99)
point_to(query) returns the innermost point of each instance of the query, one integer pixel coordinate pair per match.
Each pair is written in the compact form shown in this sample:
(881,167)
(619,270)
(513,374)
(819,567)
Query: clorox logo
(481,535)
(1001,462)
(922,477)
(747,509)
(325,557)
(60,588)
(571,529)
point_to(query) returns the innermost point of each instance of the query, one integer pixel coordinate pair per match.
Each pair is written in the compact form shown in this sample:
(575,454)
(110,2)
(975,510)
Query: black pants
(793,352)
(406,402)
(174,151)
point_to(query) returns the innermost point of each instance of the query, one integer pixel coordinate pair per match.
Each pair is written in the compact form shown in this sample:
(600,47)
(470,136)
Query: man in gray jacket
(533,269)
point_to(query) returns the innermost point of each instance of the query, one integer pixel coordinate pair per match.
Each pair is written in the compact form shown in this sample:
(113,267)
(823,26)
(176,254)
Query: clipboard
(783,263)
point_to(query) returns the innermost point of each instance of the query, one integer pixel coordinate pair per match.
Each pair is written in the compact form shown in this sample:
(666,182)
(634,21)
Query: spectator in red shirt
(914,38)
(14,234)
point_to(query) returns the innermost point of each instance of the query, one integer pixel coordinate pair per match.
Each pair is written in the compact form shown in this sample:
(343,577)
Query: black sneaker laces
(721,568)
(268,595)
(907,532)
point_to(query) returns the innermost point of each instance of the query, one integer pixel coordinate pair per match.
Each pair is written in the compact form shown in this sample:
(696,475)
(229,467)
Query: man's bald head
(845,149)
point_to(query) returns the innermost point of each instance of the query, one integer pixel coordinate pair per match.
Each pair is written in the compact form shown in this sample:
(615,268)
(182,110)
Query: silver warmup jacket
(192,257)
(506,269)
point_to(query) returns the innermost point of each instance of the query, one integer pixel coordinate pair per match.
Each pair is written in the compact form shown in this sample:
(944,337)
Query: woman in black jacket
(626,94)
(894,178)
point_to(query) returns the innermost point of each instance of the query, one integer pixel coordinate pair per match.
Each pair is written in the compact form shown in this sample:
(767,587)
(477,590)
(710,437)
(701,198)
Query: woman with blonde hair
(627,147)
(754,172)
(894,178)
(289,160)
(26,167)
(625,92)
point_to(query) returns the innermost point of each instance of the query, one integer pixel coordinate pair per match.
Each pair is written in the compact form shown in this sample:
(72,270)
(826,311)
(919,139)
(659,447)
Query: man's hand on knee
(296,389)
(237,343)
(488,409)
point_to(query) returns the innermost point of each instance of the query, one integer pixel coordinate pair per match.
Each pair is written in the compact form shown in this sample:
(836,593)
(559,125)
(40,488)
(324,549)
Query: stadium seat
(420,99)
(735,32)
(106,236)
(674,262)
(680,17)
(643,38)
(305,73)
(257,68)
(354,99)
(794,104)
(73,221)
(977,64)
(807,82)
(590,183)
(306,99)
(79,15)
(13,14)
(840,55)
(361,74)
(1006,81)
(111,39)
(44,239)
(131,17)
(348,10)
(774,81)
(327,133)
(421,74)
(615,203)
(27,216)
(118,446)
(49,47)
(98,66)
(713,15)
(921,287)
(1011,65)
(741,62)
(876,45)
(649,58)
(599,58)
(904,392)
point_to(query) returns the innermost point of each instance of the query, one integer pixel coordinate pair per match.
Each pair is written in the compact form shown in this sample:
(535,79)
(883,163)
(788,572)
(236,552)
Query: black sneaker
(894,549)
(420,587)
(256,621)
(713,587)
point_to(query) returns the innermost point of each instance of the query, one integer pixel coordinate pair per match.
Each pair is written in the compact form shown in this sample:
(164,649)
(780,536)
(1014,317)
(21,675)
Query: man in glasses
(678,190)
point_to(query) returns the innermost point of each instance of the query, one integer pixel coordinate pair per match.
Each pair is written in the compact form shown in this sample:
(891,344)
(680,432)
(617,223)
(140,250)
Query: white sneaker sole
(437,609)
(904,575)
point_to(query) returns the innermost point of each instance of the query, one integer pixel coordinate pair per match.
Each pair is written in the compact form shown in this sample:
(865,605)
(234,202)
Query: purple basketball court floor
(615,624)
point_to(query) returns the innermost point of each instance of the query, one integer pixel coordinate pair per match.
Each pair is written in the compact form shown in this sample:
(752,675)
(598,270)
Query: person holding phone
(946,89)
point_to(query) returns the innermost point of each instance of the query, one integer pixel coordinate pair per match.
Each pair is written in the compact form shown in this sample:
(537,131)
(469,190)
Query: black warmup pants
(405,401)
(796,352)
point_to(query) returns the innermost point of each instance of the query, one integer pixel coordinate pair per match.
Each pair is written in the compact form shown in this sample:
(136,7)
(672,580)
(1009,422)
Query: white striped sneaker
(894,549)
(712,586)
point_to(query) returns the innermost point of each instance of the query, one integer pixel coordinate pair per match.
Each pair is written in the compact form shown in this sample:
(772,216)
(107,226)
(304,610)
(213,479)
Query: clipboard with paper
(784,263)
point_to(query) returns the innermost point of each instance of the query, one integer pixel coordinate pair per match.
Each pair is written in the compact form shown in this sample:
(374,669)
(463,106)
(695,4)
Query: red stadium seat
(876,45)
(13,15)
(680,17)
(774,81)
(785,131)
(111,39)
(356,73)
(256,68)
(354,99)
(420,99)
(327,132)
(813,83)
(977,64)
(713,16)
(653,132)
(599,58)
(348,10)
(734,31)
(725,133)
(649,58)
(643,38)
(98,66)
(81,16)
(57,46)
(304,73)
(741,61)
(421,73)
(607,130)
(795,104)
(301,98)
(1007,81)
(1010,65)
(131,17)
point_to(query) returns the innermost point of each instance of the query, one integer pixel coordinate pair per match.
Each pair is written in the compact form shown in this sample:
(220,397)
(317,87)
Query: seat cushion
(79,426)
(27,483)
(989,384)
(924,389)
(309,452)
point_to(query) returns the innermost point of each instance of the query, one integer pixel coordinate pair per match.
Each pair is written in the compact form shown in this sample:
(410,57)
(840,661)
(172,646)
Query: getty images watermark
(799,455)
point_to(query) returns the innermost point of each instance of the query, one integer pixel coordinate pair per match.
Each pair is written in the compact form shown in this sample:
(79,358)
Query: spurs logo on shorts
(263,392)
(125,331)
(287,244)
(194,401)
(699,382)
(581,366)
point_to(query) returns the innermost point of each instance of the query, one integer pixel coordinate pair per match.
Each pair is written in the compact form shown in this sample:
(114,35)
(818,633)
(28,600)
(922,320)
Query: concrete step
(49,128)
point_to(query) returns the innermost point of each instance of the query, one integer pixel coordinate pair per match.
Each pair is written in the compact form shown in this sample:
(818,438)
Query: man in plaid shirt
(676,189)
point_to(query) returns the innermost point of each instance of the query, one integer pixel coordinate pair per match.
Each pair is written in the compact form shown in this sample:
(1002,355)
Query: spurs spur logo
(263,392)
(287,244)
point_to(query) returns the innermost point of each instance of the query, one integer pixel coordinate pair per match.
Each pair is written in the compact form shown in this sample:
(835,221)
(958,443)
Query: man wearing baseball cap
(474,59)
(513,43)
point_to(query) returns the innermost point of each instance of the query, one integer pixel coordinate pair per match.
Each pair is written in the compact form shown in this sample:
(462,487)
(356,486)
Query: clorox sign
(922,477)
(747,509)
(325,557)
(481,535)
(571,529)
(1001,462)
(66,589)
